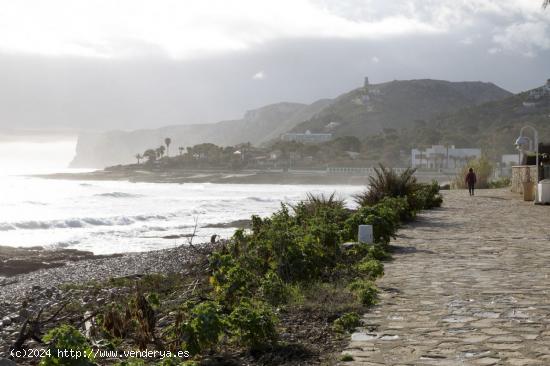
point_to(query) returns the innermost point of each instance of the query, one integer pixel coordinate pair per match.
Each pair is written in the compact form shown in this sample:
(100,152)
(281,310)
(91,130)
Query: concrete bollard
(365,234)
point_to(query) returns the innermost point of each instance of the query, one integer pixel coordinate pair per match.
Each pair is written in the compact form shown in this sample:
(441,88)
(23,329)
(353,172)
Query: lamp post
(523,141)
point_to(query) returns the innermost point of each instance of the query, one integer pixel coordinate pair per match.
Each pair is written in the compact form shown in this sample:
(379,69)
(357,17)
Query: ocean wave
(6,227)
(36,203)
(261,199)
(64,244)
(117,195)
(75,223)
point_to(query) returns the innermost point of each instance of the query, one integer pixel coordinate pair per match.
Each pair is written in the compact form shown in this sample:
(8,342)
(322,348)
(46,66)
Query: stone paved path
(469,285)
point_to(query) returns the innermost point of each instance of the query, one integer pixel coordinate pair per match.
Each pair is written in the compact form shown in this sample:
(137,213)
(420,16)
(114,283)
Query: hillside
(495,126)
(397,104)
(97,150)
(492,126)
(361,113)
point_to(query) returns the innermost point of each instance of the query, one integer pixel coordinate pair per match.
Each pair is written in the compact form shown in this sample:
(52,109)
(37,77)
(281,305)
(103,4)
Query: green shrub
(371,268)
(172,361)
(400,205)
(253,325)
(131,362)
(67,338)
(425,197)
(315,205)
(229,279)
(366,291)
(386,183)
(297,249)
(502,182)
(347,323)
(379,253)
(346,358)
(384,221)
(200,327)
(273,289)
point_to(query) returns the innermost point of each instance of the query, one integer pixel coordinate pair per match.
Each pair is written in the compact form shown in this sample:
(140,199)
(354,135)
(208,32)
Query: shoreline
(228,177)
(83,269)
(25,293)
(19,260)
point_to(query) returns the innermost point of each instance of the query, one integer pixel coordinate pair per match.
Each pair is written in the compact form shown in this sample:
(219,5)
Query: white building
(332,125)
(307,137)
(441,156)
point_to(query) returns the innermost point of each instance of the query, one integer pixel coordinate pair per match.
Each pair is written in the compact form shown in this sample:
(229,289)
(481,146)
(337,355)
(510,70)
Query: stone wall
(519,175)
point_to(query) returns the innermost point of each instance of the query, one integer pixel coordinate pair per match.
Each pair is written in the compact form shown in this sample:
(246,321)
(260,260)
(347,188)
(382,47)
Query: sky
(128,64)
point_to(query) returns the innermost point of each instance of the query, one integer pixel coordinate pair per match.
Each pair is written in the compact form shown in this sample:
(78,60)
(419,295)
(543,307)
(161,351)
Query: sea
(108,217)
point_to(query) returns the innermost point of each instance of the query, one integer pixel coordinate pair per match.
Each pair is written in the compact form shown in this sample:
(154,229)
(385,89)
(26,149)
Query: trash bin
(528,191)
(544,191)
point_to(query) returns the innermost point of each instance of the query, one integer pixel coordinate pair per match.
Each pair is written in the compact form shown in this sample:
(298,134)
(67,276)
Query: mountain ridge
(396,104)
(360,112)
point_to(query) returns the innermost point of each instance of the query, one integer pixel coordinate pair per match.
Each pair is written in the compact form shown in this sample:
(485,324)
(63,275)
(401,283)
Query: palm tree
(181,148)
(167,141)
(162,149)
(545,3)
(138,157)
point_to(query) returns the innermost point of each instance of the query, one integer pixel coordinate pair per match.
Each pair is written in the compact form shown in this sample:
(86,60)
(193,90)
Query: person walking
(471,180)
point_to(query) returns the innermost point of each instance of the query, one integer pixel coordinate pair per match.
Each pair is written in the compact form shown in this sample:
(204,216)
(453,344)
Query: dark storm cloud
(99,94)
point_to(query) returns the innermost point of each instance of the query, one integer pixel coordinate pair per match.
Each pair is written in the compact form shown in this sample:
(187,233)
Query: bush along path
(286,292)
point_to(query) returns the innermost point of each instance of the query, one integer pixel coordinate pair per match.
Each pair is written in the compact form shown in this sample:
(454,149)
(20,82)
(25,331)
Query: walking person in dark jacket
(471,180)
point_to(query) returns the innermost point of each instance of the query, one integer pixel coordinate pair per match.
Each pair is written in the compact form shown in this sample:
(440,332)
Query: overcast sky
(128,64)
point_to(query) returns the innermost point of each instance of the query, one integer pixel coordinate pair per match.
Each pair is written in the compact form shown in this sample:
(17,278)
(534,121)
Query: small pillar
(365,234)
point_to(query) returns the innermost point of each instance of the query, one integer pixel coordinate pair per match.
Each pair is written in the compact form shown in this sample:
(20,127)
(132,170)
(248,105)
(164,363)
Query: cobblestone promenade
(469,285)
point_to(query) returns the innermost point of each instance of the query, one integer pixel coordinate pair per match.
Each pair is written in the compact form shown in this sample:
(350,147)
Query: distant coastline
(313,177)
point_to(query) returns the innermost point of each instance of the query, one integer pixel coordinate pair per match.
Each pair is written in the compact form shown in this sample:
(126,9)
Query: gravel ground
(13,289)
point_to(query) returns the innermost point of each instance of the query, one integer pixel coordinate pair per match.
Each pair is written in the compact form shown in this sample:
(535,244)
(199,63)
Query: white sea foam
(118,195)
(111,217)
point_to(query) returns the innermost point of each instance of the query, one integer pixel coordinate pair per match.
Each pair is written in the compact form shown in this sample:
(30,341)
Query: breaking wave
(117,195)
(79,222)
(261,199)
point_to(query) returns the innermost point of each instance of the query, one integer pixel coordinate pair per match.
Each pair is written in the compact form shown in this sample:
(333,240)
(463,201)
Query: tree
(138,157)
(545,3)
(160,151)
(150,154)
(168,141)
(181,148)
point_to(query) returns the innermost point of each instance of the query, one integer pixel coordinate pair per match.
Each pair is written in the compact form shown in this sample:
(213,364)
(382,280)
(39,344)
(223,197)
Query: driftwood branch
(32,326)
(190,238)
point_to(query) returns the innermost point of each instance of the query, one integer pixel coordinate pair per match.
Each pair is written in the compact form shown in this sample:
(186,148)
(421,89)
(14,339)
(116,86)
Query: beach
(23,293)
